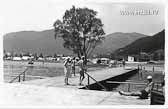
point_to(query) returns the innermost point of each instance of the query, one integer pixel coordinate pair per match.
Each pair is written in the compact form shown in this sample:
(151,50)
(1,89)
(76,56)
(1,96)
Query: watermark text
(139,12)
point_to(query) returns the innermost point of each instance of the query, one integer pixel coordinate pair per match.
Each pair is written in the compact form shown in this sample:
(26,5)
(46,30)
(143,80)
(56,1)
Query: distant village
(30,56)
(141,57)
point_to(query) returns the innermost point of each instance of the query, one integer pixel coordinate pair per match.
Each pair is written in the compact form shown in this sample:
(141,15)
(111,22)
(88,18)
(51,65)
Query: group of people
(69,68)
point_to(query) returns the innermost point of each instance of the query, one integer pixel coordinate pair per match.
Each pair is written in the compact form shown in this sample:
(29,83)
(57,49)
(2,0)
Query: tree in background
(35,56)
(20,55)
(81,30)
(41,55)
(55,55)
(27,54)
(5,54)
(16,55)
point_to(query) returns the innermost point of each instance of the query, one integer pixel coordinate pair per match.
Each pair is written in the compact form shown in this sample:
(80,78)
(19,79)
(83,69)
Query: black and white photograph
(83,53)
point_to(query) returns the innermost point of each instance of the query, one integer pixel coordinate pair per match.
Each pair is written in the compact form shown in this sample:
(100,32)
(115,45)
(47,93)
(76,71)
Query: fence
(157,94)
(23,75)
(90,77)
(128,83)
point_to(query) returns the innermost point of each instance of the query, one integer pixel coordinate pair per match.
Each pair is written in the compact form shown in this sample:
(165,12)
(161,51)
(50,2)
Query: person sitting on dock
(67,69)
(81,70)
(143,94)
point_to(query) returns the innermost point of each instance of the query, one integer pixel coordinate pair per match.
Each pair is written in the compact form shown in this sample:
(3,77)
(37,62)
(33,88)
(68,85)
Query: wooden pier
(94,76)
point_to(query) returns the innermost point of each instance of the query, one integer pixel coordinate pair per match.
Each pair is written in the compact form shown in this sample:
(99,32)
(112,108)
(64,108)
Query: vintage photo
(83,53)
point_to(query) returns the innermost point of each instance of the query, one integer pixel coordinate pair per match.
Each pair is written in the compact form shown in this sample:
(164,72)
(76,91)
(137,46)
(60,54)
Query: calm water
(13,68)
(37,70)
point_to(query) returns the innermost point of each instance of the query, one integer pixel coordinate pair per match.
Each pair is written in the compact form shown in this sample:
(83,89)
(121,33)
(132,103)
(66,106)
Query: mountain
(44,42)
(146,44)
(34,42)
(117,40)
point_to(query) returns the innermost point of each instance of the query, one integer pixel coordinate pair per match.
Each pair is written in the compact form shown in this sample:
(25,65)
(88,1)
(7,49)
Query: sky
(39,15)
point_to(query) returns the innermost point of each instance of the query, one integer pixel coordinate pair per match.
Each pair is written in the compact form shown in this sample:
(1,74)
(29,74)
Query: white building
(26,58)
(112,61)
(9,58)
(8,54)
(105,60)
(131,59)
(94,61)
(58,59)
(41,59)
(50,58)
(17,58)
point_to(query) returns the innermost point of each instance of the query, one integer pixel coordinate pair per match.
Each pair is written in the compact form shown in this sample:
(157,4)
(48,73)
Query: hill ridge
(44,42)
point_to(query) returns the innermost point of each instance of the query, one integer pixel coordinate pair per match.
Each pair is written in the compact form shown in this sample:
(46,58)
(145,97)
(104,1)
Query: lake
(38,69)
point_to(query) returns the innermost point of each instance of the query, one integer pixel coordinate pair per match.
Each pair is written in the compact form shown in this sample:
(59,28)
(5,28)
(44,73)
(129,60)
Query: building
(131,59)
(105,60)
(94,61)
(26,57)
(50,58)
(41,59)
(17,58)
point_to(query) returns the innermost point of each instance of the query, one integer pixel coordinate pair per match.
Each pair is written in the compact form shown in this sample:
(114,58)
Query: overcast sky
(39,15)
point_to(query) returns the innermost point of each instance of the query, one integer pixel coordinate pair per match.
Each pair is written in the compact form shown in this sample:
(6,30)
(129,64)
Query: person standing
(81,69)
(73,66)
(123,62)
(67,69)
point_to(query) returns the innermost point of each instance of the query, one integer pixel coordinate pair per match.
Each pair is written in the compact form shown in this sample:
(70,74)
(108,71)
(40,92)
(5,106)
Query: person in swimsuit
(67,70)
(81,69)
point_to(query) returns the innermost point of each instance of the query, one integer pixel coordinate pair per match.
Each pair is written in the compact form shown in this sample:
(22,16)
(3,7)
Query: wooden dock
(74,81)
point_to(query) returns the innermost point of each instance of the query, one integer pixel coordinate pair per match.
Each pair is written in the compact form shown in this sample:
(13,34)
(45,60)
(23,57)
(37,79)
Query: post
(19,78)
(128,87)
(24,76)
(153,69)
(88,82)
(157,86)
(12,68)
(96,82)
(138,73)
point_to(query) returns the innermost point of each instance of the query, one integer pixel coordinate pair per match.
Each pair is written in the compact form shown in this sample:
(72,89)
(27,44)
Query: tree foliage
(81,30)
(41,55)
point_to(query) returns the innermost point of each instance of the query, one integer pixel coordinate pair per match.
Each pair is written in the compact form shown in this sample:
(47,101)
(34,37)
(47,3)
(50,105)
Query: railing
(157,86)
(19,76)
(88,77)
(157,94)
(23,75)
(129,83)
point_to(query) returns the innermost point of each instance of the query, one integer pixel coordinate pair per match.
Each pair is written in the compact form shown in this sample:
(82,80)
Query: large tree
(81,30)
